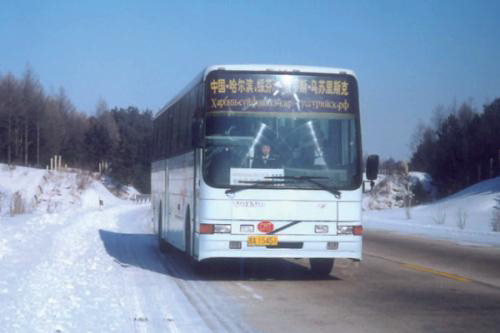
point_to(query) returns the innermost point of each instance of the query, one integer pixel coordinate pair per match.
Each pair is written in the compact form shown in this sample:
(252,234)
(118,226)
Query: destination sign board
(268,92)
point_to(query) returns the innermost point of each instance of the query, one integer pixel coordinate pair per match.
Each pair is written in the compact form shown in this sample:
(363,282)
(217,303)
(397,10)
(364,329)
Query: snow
(464,217)
(388,192)
(122,191)
(82,268)
(17,180)
(96,192)
(29,190)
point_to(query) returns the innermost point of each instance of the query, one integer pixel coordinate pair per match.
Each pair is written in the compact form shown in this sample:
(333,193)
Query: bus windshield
(322,147)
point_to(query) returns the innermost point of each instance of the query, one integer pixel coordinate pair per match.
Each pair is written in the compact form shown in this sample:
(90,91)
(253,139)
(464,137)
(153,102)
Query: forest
(35,126)
(459,146)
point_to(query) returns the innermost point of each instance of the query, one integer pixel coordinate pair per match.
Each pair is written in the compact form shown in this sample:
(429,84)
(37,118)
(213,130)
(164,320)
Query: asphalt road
(404,284)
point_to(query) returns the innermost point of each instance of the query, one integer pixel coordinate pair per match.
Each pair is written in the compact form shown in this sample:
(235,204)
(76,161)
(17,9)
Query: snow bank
(388,192)
(4,250)
(465,216)
(128,192)
(29,190)
(96,191)
(18,182)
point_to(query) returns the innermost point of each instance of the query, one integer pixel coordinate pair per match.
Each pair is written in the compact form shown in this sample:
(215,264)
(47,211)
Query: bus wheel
(321,266)
(187,235)
(161,242)
(199,267)
(163,245)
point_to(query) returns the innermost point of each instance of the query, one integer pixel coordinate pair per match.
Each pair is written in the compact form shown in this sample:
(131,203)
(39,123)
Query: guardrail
(141,198)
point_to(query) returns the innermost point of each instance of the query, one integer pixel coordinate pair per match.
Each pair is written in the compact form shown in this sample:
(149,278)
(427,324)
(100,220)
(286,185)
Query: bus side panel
(180,194)
(198,179)
(158,192)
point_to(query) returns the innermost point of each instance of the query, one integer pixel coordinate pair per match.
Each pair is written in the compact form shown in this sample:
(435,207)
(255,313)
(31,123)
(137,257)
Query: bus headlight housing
(222,228)
(321,229)
(344,230)
(246,228)
(356,230)
(215,228)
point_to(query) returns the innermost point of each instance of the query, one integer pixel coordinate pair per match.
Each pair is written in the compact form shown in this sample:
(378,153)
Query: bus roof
(279,68)
(257,68)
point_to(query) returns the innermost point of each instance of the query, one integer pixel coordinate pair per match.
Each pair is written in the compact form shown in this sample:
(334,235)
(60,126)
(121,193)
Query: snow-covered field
(464,217)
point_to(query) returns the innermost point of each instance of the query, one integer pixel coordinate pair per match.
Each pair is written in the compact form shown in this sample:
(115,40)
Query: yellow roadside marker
(438,273)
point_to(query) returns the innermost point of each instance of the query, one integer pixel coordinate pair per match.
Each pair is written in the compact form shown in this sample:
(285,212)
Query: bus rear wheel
(199,267)
(162,244)
(321,266)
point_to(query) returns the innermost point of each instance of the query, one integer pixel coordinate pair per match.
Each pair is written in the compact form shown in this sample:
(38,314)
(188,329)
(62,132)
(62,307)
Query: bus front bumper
(290,246)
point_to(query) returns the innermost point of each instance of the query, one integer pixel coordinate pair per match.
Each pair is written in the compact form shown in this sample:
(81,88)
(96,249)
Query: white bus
(258,161)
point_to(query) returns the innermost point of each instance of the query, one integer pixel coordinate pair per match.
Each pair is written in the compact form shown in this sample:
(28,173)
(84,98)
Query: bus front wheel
(321,266)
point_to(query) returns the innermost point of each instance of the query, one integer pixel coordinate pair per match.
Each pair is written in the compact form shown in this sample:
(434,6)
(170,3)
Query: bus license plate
(262,240)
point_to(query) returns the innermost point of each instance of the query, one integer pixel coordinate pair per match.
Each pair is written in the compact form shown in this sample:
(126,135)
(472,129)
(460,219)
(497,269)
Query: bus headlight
(344,230)
(246,228)
(222,228)
(356,230)
(321,228)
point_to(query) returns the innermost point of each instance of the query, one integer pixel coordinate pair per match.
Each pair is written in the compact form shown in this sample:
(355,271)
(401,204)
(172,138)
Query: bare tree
(31,106)
(8,108)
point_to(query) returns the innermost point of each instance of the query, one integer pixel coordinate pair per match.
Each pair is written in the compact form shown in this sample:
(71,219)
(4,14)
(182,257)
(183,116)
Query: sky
(409,56)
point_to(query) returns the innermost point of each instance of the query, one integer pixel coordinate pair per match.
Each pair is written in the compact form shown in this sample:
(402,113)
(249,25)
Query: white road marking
(250,291)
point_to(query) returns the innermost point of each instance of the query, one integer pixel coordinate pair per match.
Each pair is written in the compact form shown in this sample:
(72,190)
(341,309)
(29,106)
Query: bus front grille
(286,245)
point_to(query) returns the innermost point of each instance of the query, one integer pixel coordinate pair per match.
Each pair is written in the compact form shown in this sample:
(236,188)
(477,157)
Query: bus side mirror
(372,167)
(197,137)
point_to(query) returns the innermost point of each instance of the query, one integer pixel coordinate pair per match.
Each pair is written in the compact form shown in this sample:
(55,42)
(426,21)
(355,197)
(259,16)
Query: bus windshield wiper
(253,184)
(312,180)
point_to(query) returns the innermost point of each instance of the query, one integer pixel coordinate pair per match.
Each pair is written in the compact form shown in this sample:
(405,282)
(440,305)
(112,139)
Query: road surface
(404,284)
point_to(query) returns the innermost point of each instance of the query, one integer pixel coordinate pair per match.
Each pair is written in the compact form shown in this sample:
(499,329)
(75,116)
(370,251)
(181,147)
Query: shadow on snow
(141,251)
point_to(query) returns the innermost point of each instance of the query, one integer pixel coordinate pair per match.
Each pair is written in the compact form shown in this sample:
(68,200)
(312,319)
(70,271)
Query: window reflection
(325,146)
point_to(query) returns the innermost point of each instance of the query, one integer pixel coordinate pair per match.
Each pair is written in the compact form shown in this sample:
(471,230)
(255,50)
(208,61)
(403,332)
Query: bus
(261,161)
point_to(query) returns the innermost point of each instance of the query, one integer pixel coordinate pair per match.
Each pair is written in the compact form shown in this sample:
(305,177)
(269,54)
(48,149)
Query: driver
(266,160)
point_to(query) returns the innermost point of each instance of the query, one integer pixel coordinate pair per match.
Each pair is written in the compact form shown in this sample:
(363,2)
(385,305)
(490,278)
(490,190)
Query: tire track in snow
(208,301)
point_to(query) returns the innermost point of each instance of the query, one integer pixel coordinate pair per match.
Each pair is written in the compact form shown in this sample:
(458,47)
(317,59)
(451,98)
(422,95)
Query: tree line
(459,147)
(35,126)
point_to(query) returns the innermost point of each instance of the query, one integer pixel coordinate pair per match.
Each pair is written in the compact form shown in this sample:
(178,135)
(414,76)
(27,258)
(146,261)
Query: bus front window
(324,147)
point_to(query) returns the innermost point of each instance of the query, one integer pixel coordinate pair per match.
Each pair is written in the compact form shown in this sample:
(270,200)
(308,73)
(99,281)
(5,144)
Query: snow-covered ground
(18,181)
(464,217)
(82,268)
(28,190)
(390,190)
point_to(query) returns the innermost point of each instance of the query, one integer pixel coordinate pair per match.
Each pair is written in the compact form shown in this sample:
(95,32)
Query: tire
(199,267)
(321,266)
(162,245)
(187,235)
